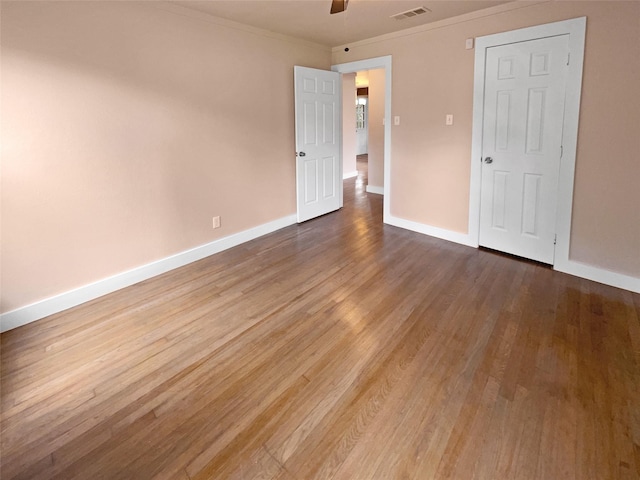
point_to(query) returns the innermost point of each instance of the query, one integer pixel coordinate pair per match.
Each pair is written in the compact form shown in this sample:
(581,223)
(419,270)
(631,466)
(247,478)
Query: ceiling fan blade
(338,6)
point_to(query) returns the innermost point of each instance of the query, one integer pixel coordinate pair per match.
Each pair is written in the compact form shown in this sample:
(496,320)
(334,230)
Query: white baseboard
(582,270)
(374,189)
(456,237)
(600,275)
(72,298)
(350,175)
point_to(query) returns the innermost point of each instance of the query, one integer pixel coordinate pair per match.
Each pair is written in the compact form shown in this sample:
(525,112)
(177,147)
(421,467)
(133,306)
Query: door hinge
(561,151)
(568,58)
(555,239)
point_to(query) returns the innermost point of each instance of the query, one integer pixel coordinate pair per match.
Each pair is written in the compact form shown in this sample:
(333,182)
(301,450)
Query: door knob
(488,160)
(302,154)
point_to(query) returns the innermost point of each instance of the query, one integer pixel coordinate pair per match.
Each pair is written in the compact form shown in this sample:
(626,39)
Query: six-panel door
(522,134)
(318,167)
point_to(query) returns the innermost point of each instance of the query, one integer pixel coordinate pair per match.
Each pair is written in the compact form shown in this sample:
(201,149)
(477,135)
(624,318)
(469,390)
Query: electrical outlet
(216,222)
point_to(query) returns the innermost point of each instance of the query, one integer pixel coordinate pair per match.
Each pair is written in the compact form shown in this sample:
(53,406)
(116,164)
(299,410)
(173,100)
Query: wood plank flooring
(336,349)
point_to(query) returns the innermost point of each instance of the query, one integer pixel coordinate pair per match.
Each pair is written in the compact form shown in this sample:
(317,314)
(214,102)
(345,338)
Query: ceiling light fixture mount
(338,6)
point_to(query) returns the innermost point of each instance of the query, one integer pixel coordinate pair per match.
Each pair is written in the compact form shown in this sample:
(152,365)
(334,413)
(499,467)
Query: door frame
(576,29)
(370,64)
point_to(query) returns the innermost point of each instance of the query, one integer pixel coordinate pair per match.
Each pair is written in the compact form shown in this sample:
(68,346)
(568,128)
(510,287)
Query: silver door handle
(488,160)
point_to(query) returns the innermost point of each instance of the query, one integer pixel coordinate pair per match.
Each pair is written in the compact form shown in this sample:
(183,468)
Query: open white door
(522,146)
(318,106)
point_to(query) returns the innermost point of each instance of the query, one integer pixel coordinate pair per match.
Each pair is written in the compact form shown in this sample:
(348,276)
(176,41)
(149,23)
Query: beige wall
(376,129)
(433,76)
(348,123)
(126,128)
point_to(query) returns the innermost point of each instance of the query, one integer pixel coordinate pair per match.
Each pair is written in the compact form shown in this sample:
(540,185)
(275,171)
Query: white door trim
(575,28)
(370,64)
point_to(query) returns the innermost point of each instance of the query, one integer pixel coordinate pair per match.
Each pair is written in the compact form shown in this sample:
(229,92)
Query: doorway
(521,146)
(384,64)
(487,183)
(363,129)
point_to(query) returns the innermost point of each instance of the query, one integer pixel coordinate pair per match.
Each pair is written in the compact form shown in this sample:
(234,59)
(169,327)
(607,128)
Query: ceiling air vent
(410,13)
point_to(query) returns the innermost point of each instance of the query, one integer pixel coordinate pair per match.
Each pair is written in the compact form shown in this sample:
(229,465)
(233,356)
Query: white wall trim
(374,189)
(600,275)
(370,64)
(350,175)
(582,270)
(466,17)
(444,234)
(72,298)
(177,9)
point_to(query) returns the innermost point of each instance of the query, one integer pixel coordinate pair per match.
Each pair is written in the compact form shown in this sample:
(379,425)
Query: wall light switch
(448,120)
(468,43)
(396,120)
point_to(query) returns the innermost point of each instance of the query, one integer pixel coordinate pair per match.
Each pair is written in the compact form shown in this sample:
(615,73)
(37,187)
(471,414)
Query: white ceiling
(310,19)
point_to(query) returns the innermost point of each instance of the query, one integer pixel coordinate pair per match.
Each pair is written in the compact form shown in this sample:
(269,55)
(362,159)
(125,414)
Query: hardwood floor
(336,349)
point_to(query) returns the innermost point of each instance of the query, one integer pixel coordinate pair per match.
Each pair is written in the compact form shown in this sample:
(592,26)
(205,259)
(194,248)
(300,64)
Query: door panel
(309,124)
(499,199)
(329,169)
(522,133)
(310,181)
(329,124)
(531,204)
(318,143)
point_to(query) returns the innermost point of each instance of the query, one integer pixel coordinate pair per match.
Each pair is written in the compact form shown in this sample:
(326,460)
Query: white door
(318,108)
(521,146)
(362,127)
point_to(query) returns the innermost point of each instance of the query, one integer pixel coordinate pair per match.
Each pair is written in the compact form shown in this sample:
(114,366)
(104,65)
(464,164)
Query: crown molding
(486,12)
(177,9)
